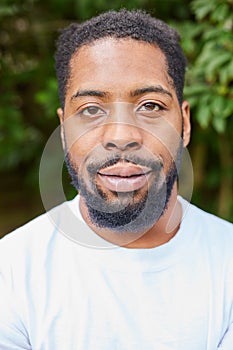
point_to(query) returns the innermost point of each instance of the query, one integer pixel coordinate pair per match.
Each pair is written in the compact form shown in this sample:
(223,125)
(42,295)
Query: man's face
(122,127)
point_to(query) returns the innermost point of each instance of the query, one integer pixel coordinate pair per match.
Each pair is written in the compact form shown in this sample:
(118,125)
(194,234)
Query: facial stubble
(136,211)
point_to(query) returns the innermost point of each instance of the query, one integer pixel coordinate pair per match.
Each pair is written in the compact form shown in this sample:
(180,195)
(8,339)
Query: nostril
(122,145)
(132,145)
(110,145)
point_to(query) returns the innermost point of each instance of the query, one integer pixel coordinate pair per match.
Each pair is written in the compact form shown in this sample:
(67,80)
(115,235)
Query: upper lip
(124,169)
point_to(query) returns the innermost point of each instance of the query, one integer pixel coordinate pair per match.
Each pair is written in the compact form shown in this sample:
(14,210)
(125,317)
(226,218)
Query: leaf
(206,53)
(224,76)
(230,70)
(212,69)
(218,104)
(220,13)
(219,124)
(202,8)
(195,89)
(228,109)
(203,114)
(8,10)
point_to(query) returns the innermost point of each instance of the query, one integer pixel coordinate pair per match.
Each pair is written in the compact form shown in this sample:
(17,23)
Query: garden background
(28,94)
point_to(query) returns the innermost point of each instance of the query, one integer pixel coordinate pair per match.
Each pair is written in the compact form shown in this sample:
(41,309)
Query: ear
(186,123)
(62,132)
(60,114)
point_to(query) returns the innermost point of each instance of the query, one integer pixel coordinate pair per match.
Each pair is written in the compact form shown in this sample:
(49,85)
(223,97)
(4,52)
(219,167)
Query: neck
(161,232)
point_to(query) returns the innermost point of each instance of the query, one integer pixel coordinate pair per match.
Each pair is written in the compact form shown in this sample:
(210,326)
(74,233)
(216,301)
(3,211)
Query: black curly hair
(135,24)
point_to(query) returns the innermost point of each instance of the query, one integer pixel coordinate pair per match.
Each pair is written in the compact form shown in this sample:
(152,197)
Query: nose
(119,136)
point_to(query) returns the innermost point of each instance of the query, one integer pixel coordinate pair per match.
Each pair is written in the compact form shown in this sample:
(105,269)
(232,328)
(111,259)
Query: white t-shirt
(57,294)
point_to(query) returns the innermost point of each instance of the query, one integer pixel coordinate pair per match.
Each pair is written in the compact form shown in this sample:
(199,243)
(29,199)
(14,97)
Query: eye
(150,107)
(91,111)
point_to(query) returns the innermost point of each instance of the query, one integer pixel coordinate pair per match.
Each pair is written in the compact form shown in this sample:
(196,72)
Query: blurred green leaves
(48,98)
(208,45)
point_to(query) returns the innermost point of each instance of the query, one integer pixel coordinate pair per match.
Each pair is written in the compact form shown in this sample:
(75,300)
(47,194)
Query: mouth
(124,177)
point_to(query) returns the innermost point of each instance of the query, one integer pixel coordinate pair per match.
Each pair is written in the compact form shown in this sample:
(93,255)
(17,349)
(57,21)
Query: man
(127,264)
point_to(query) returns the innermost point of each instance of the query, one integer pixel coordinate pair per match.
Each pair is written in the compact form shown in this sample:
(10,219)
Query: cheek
(164,139)
(76,134)
(82,146)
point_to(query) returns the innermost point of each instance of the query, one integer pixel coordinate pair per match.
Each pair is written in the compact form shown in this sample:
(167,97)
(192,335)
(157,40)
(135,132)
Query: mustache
(94,166)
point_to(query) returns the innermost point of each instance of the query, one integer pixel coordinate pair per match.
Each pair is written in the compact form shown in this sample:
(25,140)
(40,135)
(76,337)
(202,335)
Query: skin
(118,68)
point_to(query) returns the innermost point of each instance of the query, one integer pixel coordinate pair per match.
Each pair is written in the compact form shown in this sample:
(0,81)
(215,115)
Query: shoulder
(37,236)
(40,227)
(204,221)
(211,231)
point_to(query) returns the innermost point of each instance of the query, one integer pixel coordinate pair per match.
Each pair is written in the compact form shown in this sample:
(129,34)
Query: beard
(135,211)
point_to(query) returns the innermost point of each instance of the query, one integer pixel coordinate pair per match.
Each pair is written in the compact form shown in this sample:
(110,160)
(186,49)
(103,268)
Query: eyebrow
(95,93)
(157,89)
(137,92)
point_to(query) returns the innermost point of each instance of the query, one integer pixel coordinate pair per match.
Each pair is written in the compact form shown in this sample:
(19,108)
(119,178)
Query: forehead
(116,65)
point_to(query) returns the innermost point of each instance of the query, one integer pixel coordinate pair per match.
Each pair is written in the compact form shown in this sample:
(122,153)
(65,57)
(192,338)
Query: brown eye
(150,109)
(150,106)
(91,111)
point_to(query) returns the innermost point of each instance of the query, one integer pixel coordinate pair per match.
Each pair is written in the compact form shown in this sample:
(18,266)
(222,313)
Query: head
(121,77)
(136,25)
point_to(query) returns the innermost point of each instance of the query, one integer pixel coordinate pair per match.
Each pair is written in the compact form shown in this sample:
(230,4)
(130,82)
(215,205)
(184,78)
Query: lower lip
(124,184)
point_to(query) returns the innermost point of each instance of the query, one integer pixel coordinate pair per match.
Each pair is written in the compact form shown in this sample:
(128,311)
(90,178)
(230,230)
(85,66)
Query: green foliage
(48,98)
(208,44)
(22,130)
(209,48)
(87,8)
(19,138)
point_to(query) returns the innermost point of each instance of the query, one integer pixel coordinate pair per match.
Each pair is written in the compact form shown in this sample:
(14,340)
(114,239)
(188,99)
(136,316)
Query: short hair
(135,24)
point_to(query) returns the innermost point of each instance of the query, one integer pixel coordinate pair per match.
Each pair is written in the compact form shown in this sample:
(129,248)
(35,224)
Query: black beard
(127,214)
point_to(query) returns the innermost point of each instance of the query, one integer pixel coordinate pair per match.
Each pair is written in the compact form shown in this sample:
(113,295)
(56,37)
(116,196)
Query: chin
(135,211)
(125,212)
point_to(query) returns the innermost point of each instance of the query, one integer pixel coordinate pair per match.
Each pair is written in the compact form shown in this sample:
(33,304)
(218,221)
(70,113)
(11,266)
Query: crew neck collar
(123,259)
